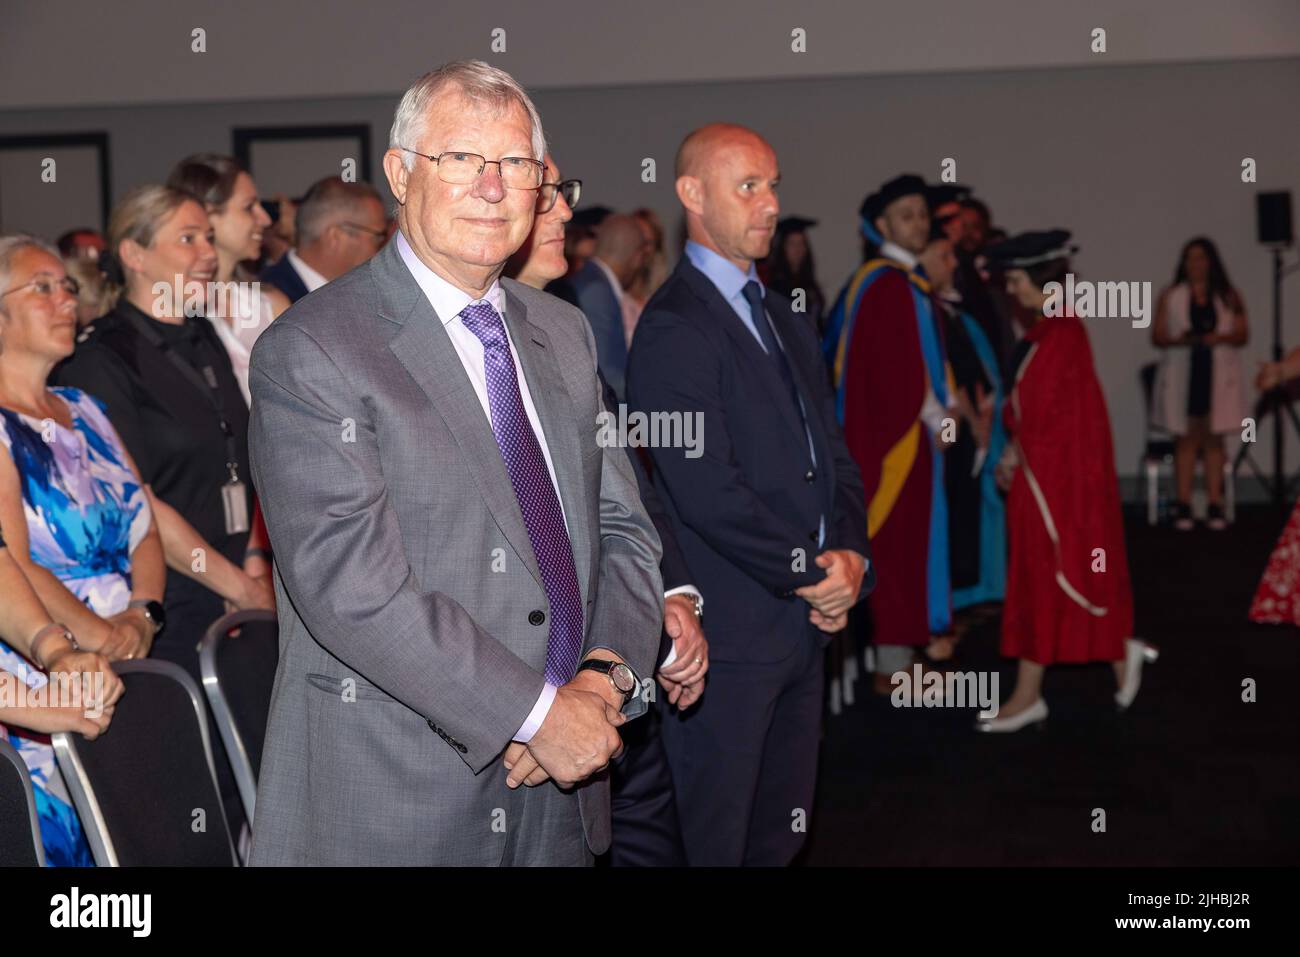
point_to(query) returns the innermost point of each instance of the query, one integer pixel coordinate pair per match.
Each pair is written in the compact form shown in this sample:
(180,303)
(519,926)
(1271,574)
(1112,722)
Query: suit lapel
(556,413)
(754,356)
(423,347)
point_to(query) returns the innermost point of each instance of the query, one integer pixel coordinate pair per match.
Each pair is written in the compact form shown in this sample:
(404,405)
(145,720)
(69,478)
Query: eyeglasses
(570,189)
(517,172)
(378,234)
(45,287)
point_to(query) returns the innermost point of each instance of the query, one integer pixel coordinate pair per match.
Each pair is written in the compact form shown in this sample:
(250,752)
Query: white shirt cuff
(537,715)
(679,590)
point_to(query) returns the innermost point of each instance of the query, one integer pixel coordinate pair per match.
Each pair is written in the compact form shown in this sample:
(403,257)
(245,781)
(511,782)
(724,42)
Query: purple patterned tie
(533,488)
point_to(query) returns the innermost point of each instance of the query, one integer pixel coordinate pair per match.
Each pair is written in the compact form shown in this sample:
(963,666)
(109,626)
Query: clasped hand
(833,596)
(578,738)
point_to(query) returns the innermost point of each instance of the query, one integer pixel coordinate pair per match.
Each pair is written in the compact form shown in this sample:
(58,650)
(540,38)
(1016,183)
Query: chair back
(146,789)
(20,831)
(238,659)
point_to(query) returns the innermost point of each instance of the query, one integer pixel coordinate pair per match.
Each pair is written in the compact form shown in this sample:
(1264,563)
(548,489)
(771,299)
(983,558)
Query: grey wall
(1133,159)
(53,52)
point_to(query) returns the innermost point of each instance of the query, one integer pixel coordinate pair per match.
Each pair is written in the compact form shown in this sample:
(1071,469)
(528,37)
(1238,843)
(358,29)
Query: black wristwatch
(622,677)
(153,610)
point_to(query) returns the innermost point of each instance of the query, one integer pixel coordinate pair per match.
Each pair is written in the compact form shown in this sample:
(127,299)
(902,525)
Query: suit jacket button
(462,749)
(810,475)
(536,617)
(432,725)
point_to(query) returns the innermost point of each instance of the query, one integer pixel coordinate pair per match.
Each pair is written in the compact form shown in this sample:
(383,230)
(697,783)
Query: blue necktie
(753,294)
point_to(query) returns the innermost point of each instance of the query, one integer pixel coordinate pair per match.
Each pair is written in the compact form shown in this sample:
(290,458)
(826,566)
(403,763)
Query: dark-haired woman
(1200,390)
(245,308)
(790,267)
(1068,594)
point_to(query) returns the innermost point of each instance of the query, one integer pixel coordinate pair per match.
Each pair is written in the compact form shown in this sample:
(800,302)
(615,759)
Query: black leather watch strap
(605,666)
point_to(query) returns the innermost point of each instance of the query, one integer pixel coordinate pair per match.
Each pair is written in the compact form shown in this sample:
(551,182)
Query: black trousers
(643,807)
(744,760)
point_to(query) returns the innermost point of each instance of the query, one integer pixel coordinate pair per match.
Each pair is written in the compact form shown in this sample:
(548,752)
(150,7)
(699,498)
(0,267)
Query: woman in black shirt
(167,384)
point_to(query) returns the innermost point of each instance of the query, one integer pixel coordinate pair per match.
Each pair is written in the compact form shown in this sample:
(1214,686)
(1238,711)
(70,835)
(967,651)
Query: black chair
(146,789)
(237,660)
(20,832)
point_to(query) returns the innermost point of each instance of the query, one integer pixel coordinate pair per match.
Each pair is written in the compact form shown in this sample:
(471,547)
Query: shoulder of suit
(540,303)
(589,273)
(676,304)
(345,300)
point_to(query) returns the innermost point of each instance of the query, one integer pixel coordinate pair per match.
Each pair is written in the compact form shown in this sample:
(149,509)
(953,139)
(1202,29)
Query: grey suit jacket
(413,621)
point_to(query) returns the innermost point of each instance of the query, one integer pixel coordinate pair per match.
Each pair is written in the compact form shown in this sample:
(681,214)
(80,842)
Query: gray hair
(328,201)
(478,82)
(12,245)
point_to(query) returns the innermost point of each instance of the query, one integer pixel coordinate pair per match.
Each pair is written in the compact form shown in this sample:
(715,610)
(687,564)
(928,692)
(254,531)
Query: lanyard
(205,382)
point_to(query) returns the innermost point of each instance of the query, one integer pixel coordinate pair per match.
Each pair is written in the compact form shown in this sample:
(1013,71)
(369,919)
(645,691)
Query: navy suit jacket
(745,513)
(599,303)
(285,278)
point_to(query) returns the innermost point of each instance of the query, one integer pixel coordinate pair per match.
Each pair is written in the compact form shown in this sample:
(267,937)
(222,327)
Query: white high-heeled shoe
(1035,714)
(1135,653)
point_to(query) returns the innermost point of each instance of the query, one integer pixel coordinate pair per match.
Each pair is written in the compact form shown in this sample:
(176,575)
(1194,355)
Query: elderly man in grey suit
(468,584)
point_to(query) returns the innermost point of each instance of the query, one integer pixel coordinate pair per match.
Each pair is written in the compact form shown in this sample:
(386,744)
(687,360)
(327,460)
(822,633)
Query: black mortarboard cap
(1030,249)
(898,187)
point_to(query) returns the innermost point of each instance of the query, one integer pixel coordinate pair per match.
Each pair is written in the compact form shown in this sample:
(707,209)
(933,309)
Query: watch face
(623,678)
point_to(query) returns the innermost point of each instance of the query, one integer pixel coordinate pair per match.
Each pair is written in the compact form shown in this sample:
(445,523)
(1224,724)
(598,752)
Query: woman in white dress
(1200,389)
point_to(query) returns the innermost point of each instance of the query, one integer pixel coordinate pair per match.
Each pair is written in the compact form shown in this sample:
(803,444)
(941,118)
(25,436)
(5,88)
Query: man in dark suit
(338,227)
(768,512)
(599,285)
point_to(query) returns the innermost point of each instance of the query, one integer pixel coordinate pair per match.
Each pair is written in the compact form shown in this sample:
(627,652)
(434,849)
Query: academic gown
(875,338)
(976,510)
(1068,593)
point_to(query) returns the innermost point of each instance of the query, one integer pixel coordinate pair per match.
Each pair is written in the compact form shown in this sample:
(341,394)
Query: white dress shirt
(250,315)
(448,301)
(310,277)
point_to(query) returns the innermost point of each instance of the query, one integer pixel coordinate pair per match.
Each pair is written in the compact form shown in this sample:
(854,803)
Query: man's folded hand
(577,739)
(835,594)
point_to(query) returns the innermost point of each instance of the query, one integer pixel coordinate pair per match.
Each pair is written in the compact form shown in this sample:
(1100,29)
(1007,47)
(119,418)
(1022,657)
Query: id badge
(234,500)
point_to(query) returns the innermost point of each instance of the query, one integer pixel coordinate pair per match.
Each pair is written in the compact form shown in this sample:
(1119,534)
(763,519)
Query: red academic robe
(1060,605)
(884,382)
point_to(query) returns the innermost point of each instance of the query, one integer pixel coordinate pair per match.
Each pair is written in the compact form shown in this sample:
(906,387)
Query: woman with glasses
(77,520)
(240,308)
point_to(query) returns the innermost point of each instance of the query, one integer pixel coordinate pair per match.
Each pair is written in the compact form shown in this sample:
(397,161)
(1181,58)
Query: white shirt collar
(310,277)
(894,251)
(613,279)
(447,300)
